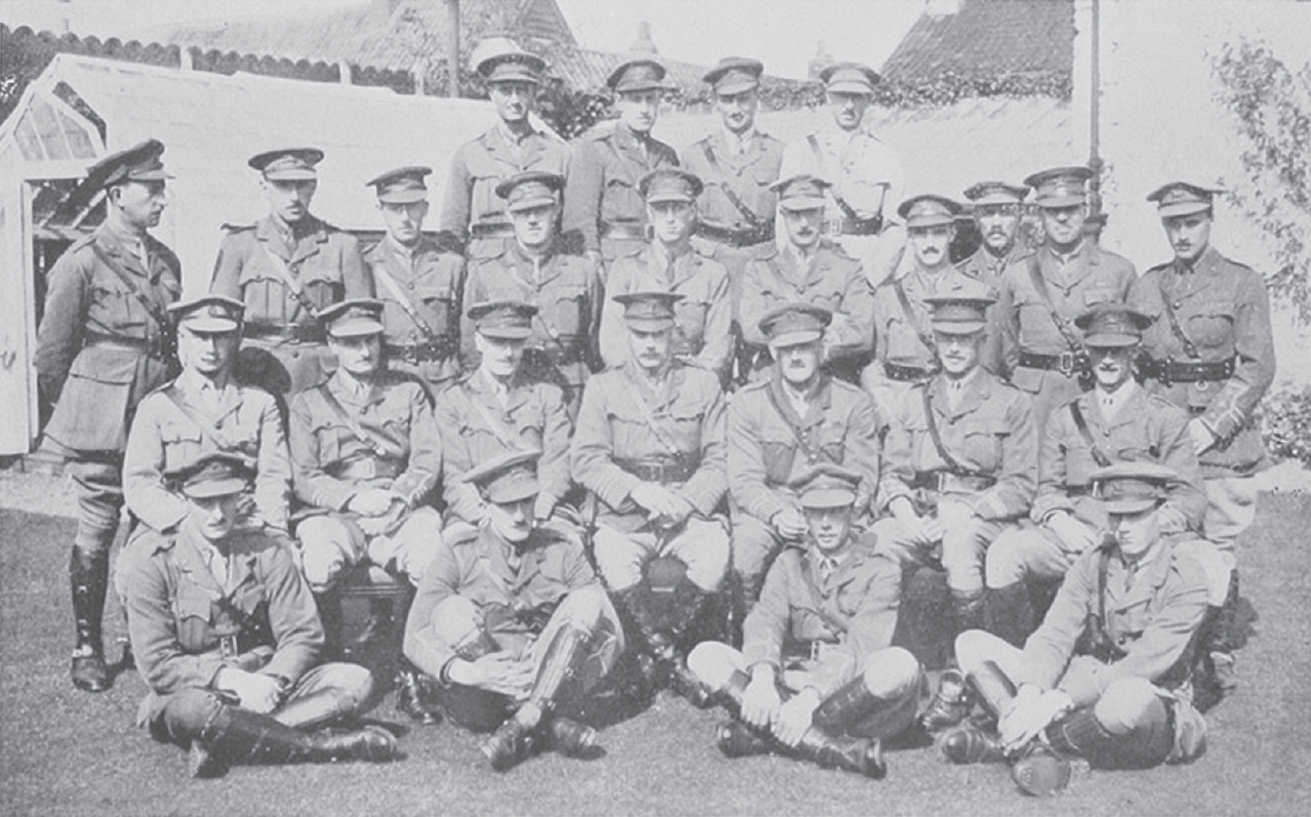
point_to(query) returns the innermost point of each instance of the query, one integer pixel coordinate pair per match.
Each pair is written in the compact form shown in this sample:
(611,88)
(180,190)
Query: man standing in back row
(285,268)
(102,346)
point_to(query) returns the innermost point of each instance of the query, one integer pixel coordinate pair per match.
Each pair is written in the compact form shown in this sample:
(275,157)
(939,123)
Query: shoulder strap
(1040,285)
(290,282)
(1076,414)
(394,290)
(1190,348)
(379,443)
(952,463)
(152,308)
(661,435)
(503,434)
(925,337)
(206,424)
(796,432)
(747,213)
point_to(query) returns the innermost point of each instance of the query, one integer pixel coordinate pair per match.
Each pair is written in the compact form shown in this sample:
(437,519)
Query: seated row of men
(510,620)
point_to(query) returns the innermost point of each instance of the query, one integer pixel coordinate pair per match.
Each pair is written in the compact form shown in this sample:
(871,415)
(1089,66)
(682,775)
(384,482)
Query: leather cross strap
(1190,348)
(747,213)
(379,443)
(924,335)
(158,315)
(811,453)
(398,295)
(1062,325)
(847,210)
(499,430)
(290,281)
(208,425)
(1076,414)
(934,434)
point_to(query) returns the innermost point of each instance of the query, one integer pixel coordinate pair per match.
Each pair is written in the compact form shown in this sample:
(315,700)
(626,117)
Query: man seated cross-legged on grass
(227,637)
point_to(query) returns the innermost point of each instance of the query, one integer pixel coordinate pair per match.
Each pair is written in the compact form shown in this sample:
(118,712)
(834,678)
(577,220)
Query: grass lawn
(67,752)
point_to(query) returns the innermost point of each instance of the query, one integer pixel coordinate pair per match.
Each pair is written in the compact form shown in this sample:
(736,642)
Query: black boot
(1041,772)
(329,606)
(1008,612)
(571,738)
(860,755)
(309,712)
(1223,638)
(233,735)
(924,624)
(515,739)
(968,742)
(848,707)
(951,704)
(412,697)
(377,629)
(689,601)
(735,739)
(88,576)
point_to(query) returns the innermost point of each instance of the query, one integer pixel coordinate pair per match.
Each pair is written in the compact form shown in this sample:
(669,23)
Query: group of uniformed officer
(803,403)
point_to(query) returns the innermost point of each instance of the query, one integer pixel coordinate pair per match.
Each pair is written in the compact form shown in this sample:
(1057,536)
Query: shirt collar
(739,142)
(196,382)
(1111,403)
(1066,258)
(963,383)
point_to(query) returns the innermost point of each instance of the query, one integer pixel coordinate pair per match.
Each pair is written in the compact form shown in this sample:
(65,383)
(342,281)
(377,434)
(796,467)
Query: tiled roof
(987,38)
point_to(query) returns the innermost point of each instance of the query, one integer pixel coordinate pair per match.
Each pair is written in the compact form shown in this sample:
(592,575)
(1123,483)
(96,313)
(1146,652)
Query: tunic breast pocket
(983,445)
(329,439)
(620,200)
(113,306)
(778,453)
(686,422)
(181,443)
(567,310)
(690,315)
(192,609)
(1211,323)
(438,299)
(1098,295)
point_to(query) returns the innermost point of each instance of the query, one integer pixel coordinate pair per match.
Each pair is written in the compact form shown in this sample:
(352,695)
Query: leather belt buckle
(833,225)
(815,647)
(228,645)
(1067,363)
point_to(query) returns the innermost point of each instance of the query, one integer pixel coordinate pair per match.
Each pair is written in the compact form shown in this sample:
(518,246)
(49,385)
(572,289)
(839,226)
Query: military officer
(822,632)
(473,211)
(512,620)
(1118,421)
(366,454)
(737,163)
(1043,292)
(286,267)
(601,199)
(418,283)
(228,641)
(205,410)
(780,428)
(801,266)
(498,410)
(703,316)
(536,269)
(650,447)
(1105,677)
(866,173)
(1212,354)
(960,457)
(903,341)
(998,209)
(103,344)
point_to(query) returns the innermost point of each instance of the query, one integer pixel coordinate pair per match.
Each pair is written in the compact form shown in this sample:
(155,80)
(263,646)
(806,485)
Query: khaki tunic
(430,280)
(469,199)
(1023,321)
(184,420)
(474,567)
(568,299)
(332,463)
(178,622)
(702,319)
(618,424)
(747,174)
(833,625)
(602,187)
(93,346)
(1224,309)
(533,417)
(1145,429)
(1153,621)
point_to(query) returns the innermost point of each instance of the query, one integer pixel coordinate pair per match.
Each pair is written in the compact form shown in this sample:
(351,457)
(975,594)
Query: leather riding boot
(1008,612)
(412,697)
(1041,772)
(924,625)
(860,755)
(329,605)
(309,712)
(967,609)
(379,624)
(968,742)
(514,740)
(569,737)
(88,575)
(846,708)
(735,739)
(1222,639)
(950,704)
(689,600)
(233,735)
(648,646)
